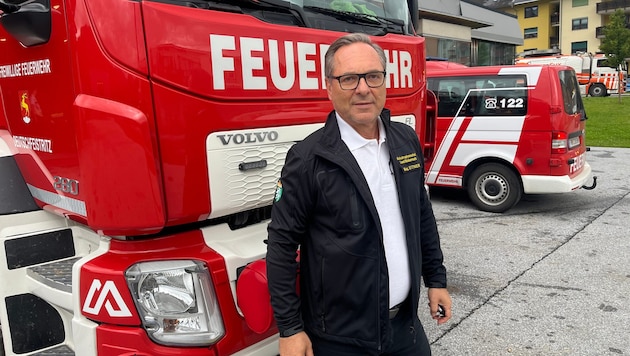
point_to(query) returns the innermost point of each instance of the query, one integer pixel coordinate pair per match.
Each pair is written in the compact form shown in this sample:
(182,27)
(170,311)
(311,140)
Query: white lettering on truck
(32,143)
(23,69)
(301,62)
(578,163)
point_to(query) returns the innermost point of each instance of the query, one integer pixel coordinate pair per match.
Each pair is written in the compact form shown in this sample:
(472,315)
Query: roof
(494,4)
(449,12)
(485,23)
(504,29)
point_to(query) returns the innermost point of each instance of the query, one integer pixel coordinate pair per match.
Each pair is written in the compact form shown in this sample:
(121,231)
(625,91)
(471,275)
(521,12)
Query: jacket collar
(331,138)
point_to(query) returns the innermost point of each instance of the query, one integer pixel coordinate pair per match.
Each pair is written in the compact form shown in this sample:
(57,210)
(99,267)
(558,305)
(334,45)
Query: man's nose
(362,86)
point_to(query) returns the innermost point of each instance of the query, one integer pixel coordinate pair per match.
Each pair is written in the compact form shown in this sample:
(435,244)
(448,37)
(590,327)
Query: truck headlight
(176,302)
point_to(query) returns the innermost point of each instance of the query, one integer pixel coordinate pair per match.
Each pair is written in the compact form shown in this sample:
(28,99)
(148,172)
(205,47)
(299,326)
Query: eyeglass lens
(351,81)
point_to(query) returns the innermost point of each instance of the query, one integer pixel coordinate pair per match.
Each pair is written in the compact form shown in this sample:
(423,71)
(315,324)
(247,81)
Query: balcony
(608,7)
(599,31)
(555,19)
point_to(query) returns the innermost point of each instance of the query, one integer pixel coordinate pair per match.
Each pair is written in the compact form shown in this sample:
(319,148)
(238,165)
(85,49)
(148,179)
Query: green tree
(616,43)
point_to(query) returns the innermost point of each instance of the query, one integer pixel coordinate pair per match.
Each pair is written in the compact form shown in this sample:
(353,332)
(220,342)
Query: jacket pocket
(349,298)
(341,201)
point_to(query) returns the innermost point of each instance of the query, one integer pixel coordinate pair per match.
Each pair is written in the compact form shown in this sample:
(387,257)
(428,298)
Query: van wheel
(597,90)
(494,187)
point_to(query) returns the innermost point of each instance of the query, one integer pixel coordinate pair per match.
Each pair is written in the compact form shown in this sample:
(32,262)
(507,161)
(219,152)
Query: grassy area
(608,122)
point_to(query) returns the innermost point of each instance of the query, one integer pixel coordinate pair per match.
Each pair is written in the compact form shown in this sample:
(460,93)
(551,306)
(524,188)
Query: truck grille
(244,172)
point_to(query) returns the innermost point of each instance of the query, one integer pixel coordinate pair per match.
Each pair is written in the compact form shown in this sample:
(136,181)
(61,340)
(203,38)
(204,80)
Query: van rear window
(480,95)
(570,92)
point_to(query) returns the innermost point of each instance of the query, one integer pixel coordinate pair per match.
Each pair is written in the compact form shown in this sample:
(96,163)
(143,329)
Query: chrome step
(57,275)
(62,350)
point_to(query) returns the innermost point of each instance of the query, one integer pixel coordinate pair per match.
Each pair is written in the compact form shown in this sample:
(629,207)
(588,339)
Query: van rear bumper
(555,184)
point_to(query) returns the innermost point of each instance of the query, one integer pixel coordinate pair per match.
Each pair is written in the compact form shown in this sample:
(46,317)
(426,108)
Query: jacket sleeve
(433,270)
(285,233)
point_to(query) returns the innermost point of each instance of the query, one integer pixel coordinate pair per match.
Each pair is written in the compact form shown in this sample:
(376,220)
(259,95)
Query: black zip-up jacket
(323,205)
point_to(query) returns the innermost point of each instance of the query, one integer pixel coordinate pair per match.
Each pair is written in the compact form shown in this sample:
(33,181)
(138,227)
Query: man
(352,197)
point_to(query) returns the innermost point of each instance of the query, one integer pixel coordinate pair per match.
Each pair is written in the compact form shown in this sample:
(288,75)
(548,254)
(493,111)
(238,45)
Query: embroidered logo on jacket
(278,193)
(409,162)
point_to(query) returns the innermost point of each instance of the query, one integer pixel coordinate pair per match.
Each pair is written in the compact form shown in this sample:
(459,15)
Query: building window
(531,11)
(493,53)
(580,24)
(454,51)
(577,3)
(578,47)
(531,32)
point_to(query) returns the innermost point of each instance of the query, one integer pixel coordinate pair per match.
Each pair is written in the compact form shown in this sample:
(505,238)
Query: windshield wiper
(255,8)
(362,18)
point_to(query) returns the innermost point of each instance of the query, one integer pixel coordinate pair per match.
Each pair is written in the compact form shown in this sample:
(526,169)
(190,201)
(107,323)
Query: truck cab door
(37,92)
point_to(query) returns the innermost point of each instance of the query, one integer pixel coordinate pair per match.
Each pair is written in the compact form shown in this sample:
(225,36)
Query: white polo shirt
(373,158)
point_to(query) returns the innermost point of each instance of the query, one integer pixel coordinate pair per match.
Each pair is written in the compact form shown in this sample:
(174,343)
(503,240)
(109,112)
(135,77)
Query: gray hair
(347,40)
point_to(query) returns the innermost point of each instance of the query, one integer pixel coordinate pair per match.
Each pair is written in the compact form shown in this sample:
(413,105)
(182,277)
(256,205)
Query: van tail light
(559,142)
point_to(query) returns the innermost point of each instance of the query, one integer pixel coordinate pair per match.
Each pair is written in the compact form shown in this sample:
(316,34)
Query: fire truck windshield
(374,17)
(387,16)
(382,24)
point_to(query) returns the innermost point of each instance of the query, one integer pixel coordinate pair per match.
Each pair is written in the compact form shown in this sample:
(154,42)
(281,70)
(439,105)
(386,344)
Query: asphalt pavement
(549,277)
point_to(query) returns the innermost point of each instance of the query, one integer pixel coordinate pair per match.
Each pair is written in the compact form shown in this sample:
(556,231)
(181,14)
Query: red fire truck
(140,144)
(507,130)
(595,76)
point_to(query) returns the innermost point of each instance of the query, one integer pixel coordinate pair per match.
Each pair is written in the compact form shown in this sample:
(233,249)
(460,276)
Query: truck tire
(494,187)
(597,90)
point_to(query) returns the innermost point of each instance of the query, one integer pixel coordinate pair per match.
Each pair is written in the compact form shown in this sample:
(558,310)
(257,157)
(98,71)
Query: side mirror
(8,8)
(30,24)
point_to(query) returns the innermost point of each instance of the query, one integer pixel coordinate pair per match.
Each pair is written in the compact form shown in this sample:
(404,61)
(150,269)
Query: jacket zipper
(378,298)
(354,205)
(322,314)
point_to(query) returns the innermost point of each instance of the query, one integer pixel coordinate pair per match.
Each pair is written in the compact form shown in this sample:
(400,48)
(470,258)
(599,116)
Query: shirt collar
(352,139)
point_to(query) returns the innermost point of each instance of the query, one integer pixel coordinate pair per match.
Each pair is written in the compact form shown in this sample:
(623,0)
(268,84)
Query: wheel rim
(492,188)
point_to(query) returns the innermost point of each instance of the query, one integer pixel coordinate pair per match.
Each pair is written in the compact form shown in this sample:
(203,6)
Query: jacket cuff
(291,331)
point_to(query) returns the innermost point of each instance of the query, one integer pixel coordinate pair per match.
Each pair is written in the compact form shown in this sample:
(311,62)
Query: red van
(504,131)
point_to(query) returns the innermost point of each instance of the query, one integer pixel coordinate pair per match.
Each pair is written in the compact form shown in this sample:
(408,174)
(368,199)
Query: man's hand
(440,297)
(296,345)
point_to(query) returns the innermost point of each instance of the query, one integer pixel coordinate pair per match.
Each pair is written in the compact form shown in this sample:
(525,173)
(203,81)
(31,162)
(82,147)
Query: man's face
(359,107)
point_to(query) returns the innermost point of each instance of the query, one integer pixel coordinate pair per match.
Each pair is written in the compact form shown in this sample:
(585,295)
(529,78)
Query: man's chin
(365,115)
(368,119)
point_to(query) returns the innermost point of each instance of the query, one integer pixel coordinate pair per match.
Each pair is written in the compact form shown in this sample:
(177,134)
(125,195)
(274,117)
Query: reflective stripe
(74,205)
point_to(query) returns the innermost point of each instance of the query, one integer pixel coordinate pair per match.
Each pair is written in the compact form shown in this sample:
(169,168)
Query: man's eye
(348,79)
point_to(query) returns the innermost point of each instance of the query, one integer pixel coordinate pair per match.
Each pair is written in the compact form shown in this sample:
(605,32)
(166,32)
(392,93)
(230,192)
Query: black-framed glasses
(351,81)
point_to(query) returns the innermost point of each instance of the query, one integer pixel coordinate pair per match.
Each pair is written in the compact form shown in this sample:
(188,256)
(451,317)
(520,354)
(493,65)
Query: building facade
(468,33)
(565,26)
